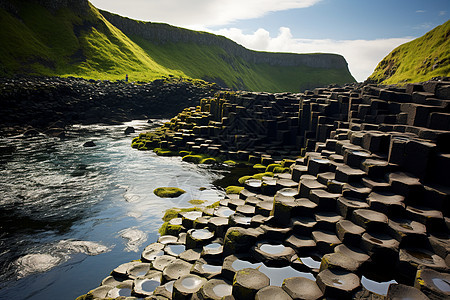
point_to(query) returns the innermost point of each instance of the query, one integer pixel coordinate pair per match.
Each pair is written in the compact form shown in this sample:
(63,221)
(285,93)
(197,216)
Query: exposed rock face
(160,33)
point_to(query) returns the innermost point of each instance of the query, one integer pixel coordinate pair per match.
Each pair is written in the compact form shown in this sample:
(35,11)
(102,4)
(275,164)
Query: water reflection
(55,190)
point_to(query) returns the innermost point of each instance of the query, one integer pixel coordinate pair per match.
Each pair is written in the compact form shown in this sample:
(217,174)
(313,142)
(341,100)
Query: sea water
(70,214)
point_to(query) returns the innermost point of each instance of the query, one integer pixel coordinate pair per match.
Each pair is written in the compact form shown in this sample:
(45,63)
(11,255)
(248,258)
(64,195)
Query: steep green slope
(216,58)
(417,61)
(66,42)
(73,38)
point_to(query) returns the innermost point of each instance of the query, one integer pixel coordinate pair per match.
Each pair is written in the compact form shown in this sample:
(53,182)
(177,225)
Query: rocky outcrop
(363,214)
(160,33)
(42,102)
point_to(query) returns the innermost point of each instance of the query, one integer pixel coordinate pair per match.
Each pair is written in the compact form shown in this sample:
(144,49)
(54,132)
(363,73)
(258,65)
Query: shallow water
(69,214)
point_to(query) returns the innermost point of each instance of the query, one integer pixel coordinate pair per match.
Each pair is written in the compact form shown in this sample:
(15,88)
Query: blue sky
(363,31)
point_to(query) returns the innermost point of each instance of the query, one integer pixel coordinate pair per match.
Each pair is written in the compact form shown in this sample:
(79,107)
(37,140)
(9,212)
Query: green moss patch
(232,189)
(281,170)
(196,202)
(208,161)
(168,192)
(271,167)
(165,152)
(196,159)
(260,168)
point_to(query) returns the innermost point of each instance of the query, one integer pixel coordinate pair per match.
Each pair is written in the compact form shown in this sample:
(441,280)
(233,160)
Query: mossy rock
(271,167)
(287,162)
(173,212)
(165,152)
(184,153)
(196,159)
(230,162)
(169,229)
(232,189)
(214,205)
(281,170)
(256,176)
(261,175)
(243,179)
(168,192)
(260,168)
(208,161)
(197,202)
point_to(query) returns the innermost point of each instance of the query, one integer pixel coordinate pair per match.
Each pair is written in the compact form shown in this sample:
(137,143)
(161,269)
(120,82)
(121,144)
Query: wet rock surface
(352,218)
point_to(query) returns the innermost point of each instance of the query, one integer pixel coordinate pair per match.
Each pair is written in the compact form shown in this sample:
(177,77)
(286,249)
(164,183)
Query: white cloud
(362,55)
(420,11)
(197,13)
(442,13)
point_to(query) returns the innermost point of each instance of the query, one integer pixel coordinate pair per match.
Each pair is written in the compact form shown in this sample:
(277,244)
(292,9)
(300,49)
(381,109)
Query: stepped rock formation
(362,214)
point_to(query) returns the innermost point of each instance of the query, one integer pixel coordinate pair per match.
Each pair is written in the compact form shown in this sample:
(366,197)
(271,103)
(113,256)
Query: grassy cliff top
(417,61)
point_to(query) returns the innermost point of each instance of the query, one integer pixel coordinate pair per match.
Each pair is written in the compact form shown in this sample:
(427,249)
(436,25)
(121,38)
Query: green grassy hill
(37,41)
(417,61)
(42,38)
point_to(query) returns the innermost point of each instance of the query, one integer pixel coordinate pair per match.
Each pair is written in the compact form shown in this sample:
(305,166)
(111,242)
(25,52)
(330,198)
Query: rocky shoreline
(34,105)
(352,200)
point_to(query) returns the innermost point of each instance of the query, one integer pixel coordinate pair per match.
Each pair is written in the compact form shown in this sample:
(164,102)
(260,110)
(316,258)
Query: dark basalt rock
(273,254)
(215,289)
(434,284)
(129,130)
(347,213)
(89,144)
(338,284)
(272,292)
(302,288)
(186,286)
(401,291)
(247,282)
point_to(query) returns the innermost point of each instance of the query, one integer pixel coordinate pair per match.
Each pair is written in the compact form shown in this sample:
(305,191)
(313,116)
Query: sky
(363,31)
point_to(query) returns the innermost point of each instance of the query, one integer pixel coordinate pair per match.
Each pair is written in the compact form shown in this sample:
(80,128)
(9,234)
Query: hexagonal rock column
(272,292)
(401,291)
(215,289)
(186,286)
(410,259)
(407,232)
(348,232)
(382,248)
(370,219)
(176,269)
(239,239)
(302,288)
(355,253)
(197,238)
(339,261)
(338,284)
(346,206)
(387,203)
(144,287)
(434,284)
(306,185)
(348,174)
(247,282)
(273,254)
(324,200)
(283,207)
(325,241)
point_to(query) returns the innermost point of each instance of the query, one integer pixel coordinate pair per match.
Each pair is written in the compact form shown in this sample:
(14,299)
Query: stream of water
(70,214)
